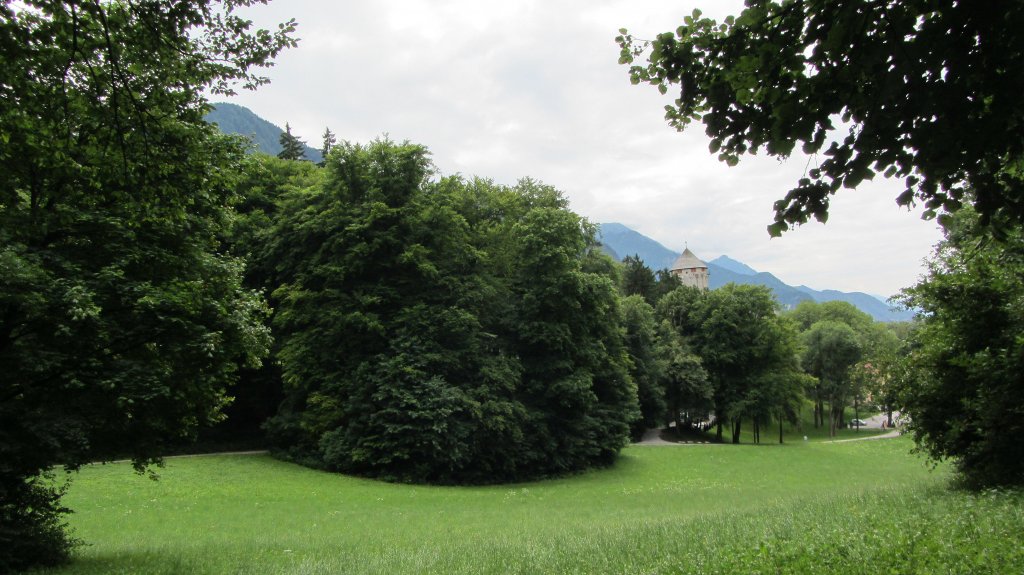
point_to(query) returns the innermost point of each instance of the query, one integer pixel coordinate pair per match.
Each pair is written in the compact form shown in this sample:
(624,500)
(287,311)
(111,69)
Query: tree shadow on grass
(149,562)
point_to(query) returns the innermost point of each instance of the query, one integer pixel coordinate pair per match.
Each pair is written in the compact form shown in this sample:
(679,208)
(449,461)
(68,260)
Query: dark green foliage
(292,148)
(665,282)
(647,367)
(121,322)
(927,91)
(638,279)
(830,350)
(32,530)
(258,391)
(443,331)
(689,395)
(746,348)
(836,336)
(966,397)
(330,139)
(808,313)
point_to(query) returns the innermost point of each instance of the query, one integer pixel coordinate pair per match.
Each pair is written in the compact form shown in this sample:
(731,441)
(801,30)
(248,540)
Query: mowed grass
(803,508)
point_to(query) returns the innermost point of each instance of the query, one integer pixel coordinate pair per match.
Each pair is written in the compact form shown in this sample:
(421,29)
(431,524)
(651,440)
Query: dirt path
(889,435)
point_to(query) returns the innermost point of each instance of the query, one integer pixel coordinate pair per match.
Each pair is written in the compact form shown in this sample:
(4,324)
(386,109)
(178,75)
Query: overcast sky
(517,88)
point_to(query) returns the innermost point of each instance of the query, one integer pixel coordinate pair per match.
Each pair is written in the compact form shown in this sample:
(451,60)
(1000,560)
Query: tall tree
(292,148)
(638,279)
(926,91)
(646,367)
(265,183)
(665,282)
(874,340)
(444,331)
(740,339)
(831,348)
(966,396)
(329,140)
(689,394)
(120,320)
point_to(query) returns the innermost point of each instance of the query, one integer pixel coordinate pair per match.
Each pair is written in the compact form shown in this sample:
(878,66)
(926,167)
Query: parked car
(858,423)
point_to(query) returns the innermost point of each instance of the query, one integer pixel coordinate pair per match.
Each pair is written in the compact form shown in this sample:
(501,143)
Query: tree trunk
(856,412)
(718,430)
(780,430)
(736,430)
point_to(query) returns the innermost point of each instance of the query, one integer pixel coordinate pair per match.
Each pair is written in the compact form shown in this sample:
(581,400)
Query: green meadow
(816,507)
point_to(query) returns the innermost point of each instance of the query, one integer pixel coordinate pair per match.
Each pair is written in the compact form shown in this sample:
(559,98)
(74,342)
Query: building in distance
(690,270)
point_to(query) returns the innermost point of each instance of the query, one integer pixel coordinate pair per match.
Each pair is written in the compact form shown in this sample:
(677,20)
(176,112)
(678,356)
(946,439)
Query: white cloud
(531,88)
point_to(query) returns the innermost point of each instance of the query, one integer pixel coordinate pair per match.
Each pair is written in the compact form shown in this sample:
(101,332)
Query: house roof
(688,261)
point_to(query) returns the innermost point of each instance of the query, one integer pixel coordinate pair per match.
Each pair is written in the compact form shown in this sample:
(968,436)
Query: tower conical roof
(688,261)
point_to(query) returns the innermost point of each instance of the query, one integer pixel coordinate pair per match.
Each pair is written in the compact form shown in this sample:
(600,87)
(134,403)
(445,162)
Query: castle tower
(690,270)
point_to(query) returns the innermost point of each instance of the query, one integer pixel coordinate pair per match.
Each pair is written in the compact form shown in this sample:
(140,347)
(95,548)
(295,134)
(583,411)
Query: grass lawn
(855,507)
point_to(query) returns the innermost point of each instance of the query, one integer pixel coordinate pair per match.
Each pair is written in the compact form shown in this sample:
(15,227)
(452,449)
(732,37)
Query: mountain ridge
(265,135)
(619,241)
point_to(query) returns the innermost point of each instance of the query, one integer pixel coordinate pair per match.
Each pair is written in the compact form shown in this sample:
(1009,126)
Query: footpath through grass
(803,508)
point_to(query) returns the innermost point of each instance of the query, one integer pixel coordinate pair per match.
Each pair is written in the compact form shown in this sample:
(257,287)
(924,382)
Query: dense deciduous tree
(120,320)
(875,341)
(831,348)
(808,313)
(689,395)
(646,364)
(741,341)
(265,182)
(444,331)
(666,282)
(926,91)
(966,396)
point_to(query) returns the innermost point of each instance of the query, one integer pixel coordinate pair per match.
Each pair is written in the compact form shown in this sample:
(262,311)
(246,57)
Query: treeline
(453,330)
(731,355)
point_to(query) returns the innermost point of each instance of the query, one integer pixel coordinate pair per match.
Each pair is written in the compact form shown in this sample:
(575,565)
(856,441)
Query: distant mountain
(619,240)
(733,266)
(235,119)
(787,295)
(865,302)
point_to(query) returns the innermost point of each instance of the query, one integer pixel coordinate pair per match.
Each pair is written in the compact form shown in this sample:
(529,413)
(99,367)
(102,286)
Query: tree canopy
(745,346)
(121,320)
(965,395)
(443,331)
(830,349)
(927,91)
